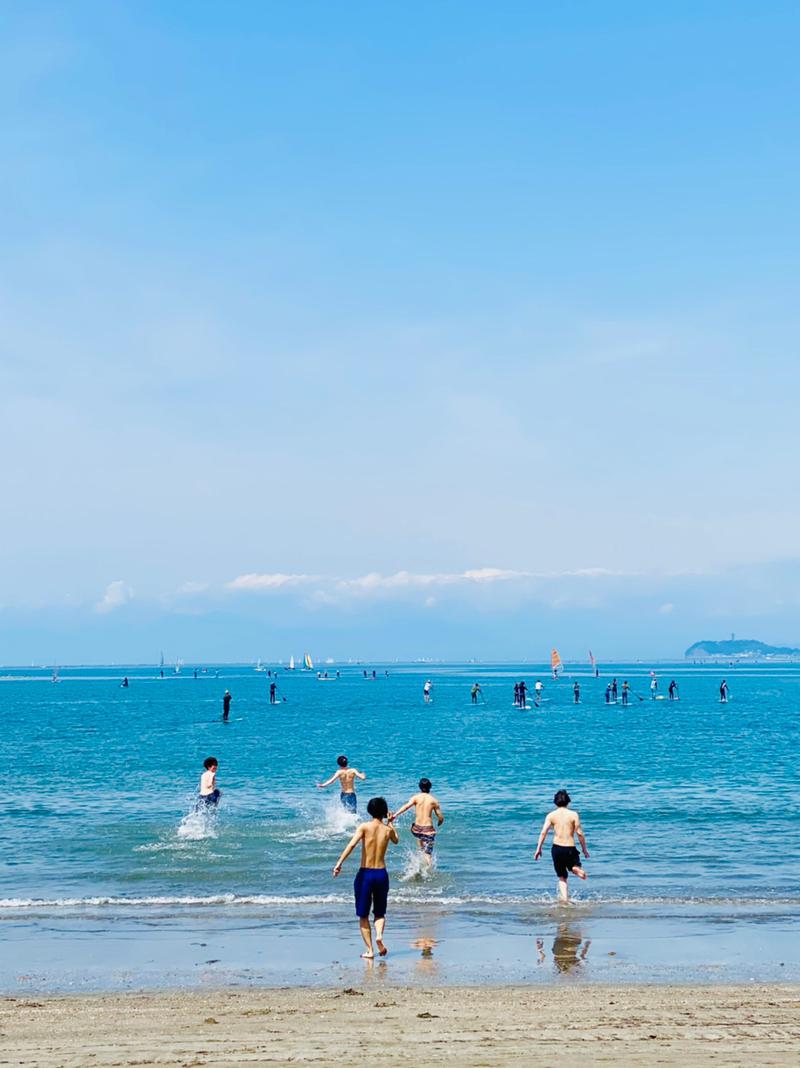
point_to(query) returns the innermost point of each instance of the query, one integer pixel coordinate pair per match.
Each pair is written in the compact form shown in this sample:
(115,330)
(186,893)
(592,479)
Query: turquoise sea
(109,879)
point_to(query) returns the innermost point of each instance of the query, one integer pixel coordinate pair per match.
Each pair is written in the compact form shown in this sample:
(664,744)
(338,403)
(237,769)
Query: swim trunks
(349,802)
(426,835)
(209,799)
(371,888)
(565,858)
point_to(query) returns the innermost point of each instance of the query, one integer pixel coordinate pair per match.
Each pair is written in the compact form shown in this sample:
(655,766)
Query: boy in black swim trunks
(566,826)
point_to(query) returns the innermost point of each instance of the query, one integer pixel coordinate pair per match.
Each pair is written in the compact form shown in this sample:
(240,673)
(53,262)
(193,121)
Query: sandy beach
(631,1025)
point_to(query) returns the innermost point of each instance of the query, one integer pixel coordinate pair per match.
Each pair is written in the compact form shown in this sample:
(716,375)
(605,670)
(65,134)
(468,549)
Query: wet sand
(544,1025)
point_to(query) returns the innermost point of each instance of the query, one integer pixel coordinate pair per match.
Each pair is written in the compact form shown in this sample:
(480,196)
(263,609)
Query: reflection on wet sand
(425,942)
(569,948)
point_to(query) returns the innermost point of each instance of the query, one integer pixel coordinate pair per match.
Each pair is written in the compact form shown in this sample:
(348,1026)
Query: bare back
(424,807)
(346,779)
(375,838)
(565,823)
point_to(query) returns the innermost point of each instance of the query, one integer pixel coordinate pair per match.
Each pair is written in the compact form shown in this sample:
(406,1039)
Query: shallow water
(689,808)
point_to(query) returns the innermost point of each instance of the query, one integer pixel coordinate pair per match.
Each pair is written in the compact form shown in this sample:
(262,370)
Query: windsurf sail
(291,663)
(555,663)
(308,662)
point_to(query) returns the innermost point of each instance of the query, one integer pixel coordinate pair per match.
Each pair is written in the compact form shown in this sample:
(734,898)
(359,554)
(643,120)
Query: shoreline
(251,947)
(375,1023)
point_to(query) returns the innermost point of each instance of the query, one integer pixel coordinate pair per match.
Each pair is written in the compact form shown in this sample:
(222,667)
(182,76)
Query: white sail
(291,663)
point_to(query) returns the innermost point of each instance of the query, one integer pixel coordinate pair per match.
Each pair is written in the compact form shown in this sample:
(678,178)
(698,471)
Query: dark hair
(210,762)
(342,761)
(425,785)
(562,799)
(377,808)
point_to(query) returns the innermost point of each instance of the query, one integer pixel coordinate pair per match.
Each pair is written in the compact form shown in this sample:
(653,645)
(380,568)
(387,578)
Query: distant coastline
(740,649)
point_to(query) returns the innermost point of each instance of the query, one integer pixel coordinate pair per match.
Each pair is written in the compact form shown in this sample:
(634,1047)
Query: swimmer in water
(425,808)
(371,884)
(346,777)
(209,792)
(566,826)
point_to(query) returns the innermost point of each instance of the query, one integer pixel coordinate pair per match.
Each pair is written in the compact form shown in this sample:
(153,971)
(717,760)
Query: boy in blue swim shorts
(209,791)
(371,884)
(346,777)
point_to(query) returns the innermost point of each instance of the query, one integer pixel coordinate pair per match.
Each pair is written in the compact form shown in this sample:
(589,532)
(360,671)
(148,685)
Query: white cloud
(275,581)
(117,594)
(667,608)
(493,574)
(330,589)
(421,580)
(190,588)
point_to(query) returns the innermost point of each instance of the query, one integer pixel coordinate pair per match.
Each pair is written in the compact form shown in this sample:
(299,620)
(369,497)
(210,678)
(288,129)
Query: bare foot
(580,873)
(368,956)
(382,948)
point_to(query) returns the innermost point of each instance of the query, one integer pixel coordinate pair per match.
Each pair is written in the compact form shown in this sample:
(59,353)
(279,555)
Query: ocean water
(109,877)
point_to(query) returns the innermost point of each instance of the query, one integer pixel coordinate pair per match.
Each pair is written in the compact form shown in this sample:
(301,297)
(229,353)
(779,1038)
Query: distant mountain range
(738,648)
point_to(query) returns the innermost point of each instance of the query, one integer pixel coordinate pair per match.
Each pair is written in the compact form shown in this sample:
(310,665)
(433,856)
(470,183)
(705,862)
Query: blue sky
(397,330)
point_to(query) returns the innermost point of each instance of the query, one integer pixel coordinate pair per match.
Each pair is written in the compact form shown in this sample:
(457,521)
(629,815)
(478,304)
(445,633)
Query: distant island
(739,649)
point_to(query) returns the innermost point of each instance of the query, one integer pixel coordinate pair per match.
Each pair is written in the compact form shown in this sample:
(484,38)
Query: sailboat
(593,662)
(291,663)
(308,662)
(259,665)
(555,663)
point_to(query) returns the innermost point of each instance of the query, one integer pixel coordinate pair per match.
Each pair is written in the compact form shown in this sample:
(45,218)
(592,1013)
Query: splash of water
(416,868)
(199,824)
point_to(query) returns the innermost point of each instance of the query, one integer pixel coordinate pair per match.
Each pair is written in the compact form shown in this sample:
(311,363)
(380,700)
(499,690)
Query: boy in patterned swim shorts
(425,807)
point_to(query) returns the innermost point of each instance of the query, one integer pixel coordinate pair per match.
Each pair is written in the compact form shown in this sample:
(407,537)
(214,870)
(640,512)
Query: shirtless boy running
(425,806)
(346,777)
(209,791)
(566,825)
(371,884)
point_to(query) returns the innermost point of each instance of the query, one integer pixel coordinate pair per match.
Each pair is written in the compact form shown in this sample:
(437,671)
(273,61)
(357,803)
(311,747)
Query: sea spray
(199,823)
